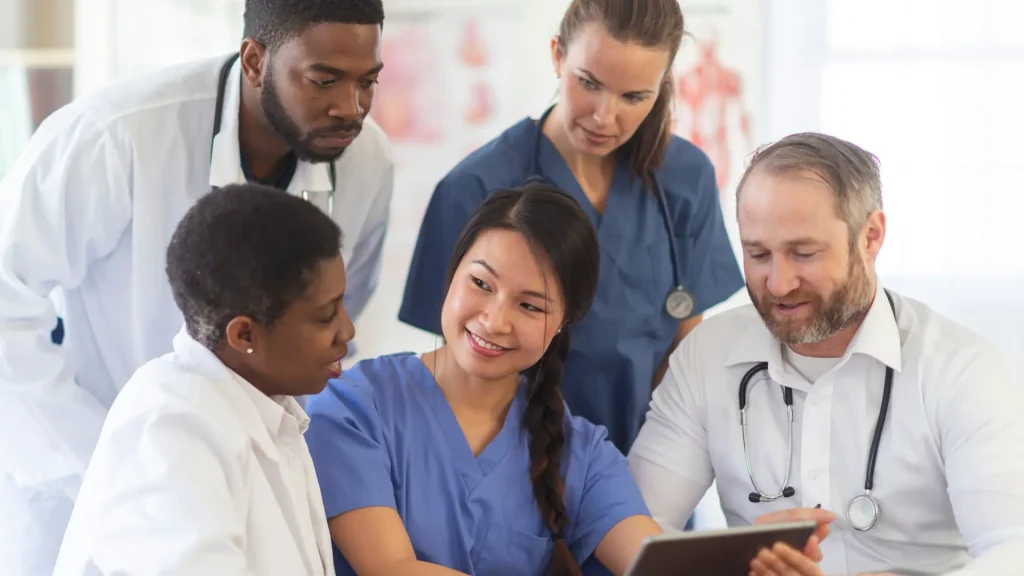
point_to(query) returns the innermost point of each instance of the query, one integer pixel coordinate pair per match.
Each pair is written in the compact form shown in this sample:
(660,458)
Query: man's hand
(822,517)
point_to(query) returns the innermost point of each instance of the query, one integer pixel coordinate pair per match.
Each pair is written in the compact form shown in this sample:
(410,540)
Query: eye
(586,83)
(804,255)
(322,83)
(367,84)
(758,256)
(330,318)
(531,308)
(480,283)
(635,98)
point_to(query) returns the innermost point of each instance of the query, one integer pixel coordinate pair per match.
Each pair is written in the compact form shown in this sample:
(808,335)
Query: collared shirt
(949,476)
(197,472)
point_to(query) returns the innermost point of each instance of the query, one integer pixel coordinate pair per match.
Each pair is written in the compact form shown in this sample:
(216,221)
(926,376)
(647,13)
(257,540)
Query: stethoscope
(679,303)
(222,82)
(863,510)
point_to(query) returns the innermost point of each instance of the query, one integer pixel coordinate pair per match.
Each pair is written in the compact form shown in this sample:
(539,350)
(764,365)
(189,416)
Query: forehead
(790,204)
(620,66)
(328,281)
(512,257)
(354,48)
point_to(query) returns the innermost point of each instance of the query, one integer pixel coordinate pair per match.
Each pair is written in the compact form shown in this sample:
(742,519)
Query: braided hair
(556,228)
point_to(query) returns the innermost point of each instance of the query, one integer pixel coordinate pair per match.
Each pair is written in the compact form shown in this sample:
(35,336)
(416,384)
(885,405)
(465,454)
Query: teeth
(483,343)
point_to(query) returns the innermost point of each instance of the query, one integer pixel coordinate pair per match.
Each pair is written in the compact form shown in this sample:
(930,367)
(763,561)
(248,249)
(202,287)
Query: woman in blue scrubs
(465,460)
(665,253)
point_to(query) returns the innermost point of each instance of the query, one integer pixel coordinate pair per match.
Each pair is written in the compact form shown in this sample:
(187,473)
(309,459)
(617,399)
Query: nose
(346,330)
(782,279)
(347,105)
(604,112)
(495,319)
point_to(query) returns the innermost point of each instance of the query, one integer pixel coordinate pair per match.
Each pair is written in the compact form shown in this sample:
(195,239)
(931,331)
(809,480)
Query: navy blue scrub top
(619,344)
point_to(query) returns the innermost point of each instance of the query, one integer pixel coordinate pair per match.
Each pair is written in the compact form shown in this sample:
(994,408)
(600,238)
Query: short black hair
(272,22)
(245,250)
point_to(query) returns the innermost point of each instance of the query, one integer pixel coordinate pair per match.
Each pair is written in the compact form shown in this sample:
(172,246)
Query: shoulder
(686,168)
(164,393)
(372,390)
(939,349)
(153,97)
(503,162)
(714,337)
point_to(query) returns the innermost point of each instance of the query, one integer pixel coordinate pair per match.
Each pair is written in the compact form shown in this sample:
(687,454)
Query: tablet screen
(719,552)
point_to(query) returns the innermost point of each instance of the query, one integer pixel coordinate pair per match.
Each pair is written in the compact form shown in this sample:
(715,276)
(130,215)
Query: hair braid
(544,419)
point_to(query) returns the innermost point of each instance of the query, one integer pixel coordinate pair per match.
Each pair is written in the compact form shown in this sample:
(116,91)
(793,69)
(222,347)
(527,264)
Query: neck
(264,150)
(586,167)
(230,358)
(467,392)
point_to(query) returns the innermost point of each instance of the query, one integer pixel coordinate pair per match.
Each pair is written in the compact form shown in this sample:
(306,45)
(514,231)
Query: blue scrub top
(384,435)
(618,346)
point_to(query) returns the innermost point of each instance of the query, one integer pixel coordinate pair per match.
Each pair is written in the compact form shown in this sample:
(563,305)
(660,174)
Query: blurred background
(935,88)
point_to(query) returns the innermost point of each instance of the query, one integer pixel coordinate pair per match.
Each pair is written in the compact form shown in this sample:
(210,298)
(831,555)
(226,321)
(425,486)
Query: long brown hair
(649,23)
(559,232)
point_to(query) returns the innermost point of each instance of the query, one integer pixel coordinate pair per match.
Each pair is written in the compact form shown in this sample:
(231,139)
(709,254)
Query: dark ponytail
(646,149)
(544,420)
(560,233)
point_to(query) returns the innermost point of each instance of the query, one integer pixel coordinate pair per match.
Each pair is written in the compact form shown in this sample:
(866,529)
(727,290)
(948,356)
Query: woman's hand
(783,560)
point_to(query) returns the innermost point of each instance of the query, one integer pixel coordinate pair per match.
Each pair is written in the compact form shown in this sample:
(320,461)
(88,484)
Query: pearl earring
(249,351)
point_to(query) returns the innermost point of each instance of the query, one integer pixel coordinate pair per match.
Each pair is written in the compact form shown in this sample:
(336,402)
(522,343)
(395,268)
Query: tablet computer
(720,552)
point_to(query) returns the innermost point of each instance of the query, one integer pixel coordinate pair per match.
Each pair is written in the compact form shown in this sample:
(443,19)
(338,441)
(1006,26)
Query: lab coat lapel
(225,157)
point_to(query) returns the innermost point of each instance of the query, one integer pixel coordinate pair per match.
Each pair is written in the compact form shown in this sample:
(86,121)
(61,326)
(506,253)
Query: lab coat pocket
(508,551)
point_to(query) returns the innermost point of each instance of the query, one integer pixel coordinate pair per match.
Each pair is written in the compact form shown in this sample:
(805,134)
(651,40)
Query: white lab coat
(85,218)
(949,477)
(196,472)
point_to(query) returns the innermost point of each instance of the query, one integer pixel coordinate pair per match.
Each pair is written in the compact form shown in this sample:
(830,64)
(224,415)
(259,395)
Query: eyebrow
(592,78)
(791,243)
(339,72)
(531,293)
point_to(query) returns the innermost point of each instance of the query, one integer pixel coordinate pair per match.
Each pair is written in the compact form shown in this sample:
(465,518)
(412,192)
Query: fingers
(782,560)
(822,532)
(812,550)
(796,515)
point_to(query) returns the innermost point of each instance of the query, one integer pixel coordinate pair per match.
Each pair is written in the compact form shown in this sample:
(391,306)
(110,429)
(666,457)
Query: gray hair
(850,171)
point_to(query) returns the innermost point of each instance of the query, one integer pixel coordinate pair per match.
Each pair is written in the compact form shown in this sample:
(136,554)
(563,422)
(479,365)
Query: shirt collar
(226,157)
(877,337)
(264,417)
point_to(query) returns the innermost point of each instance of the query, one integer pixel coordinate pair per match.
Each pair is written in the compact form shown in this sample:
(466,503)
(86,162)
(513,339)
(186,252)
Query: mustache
(343,129)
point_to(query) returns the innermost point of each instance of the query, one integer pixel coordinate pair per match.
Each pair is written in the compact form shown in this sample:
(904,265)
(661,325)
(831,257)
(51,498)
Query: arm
(161,496)
(353,466)
(670,459)
(64,204)
(981,434)
(451,205)
(375,543)
(685,327)
(363,272)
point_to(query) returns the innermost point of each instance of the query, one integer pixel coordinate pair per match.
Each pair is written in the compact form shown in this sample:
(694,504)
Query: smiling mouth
(486,344)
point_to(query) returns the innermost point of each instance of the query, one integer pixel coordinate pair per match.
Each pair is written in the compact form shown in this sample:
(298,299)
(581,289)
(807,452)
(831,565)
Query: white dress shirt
(196,472)
(85,218)
(949,477)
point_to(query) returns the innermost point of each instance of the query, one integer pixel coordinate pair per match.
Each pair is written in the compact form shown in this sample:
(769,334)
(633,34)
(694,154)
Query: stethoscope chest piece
(679,303)
(863,512)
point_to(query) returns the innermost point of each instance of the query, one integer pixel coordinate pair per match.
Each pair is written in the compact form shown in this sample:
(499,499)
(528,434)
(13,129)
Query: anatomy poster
(445,90)
(717,81)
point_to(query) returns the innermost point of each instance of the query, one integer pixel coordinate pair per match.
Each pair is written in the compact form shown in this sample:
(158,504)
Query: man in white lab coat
(903,424)
(87,212)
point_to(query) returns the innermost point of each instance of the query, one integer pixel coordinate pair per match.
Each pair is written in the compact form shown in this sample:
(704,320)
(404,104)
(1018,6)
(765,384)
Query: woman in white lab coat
(201,466)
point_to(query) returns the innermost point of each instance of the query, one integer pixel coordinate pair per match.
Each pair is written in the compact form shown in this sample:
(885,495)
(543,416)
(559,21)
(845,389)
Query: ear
(241,334)
(254,58)
(557,55)
(873,235)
